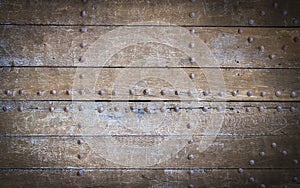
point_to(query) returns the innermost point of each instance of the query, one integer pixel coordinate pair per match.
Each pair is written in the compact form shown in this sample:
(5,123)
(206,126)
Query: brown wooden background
(45,127)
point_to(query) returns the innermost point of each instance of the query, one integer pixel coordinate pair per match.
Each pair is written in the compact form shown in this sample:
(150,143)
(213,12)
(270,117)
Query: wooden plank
(148,178)
(116,83)
(126,118)
(154,151)
(175,12)
(61,46)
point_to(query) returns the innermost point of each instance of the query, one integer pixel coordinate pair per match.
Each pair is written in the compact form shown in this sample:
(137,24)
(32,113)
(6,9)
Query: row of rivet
(101,109)
(293,94)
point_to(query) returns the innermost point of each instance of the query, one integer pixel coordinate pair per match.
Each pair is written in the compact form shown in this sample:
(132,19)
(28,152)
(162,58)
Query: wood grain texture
(148,178)
(177,12)
(115,83)
(124,118)
(61,46)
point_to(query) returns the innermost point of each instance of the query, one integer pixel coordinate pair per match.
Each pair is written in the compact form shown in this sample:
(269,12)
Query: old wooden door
(149,93)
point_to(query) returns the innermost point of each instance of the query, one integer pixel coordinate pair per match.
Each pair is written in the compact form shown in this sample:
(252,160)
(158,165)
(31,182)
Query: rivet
(250,39)
(284,47)
(262,13)
(191,172)
(251,179)
(101,92)
(274,145)
(51,109)
(249,93)
(293,94)
(292,109)
(205,109)
(192,75)
(248,109)
(80,173)
(146,109)
(176,108)
(189,125)
(272,56)
(114,93)
(263,93)
(163,92)
(285,186)
(261,108)
(279,108)
(190,93)
(284,12)
(163,109)
(53,92)
(21,92)
(8,92)
(261,48)
(190,141)
(295,179)
(278,93)
(295,21)
(80,125)
(83,13)
(192,45)
(81,76)
(275,5)
(234,93)
(205,93)
(262,186)
(192,14)
(295,39)
(100,109)
(117,109)
(84,30)
(177,92)
(284,153)
(192,60)
(131,92)
(6,108)
(39,93)
(240,31)
(80,141)
(67,109)
(221,94)
(69,92)
(191,157)
(191,186)
(81,108)
(146,92)
(251,22)
(295,161)
(21,108)
(80,156)
(262,153)
(131,108)
(82,92)
(240,170)
(82,59)
(193,31)
(251,162)
(83,45)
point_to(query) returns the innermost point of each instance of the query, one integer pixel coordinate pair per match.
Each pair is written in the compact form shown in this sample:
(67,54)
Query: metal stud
(192,60)
(249,93)
(191,172)
(177,92)
(284,12)
(8,92)
(192,75)
(69,92)
(101,92)
(100,109)
(40,93)
(114,93)
(274,145)
(284,47)
(163,92)
(146,92)
(192,15)
(163,109)
(262,186)
(261,48)
(295,161)
(176,109)
(263,93)
(284,153)
(250,39)
(293,94)
(190,141)
(67,109)
(295,179)
(272,56)
(81,76)
(80,173)
(295,39)
(193,31)
(82,59)
(6,108)
(279,108)
(53,92)
(240,170)
(240,31)
(83,13)
(51,109)
(190,186)
(81,108)
(80,125)
(82,92)
(190,92)
(285,186)
(275,5)
(234,93)
(192,45)
(146,109)
(262,153)
(251,179)
(205,109)
(261,109)
(262,13)
(80,141)
(205,93)
(84,30)
(80,156)
(251,22)
(252,162)
(292,109)
(278,93)
(21,108)
(221,94)
(295,21)
(21,92)
(83,45)
(189,125)
(191,157)
(131,92)
(248,109)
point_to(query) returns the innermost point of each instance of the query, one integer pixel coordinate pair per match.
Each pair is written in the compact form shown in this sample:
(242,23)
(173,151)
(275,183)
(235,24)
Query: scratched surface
(171,93)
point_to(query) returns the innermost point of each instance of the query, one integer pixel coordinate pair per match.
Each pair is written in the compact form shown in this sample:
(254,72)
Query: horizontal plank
(148,84)
(148,178)
(154,151)
(149,118)
(175,12)
(65,45)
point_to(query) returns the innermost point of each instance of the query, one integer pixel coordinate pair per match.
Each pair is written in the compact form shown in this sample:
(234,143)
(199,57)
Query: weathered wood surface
(148,178)
(106,152)
(61,46)
(85,84)
(177,12)
(124,118)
